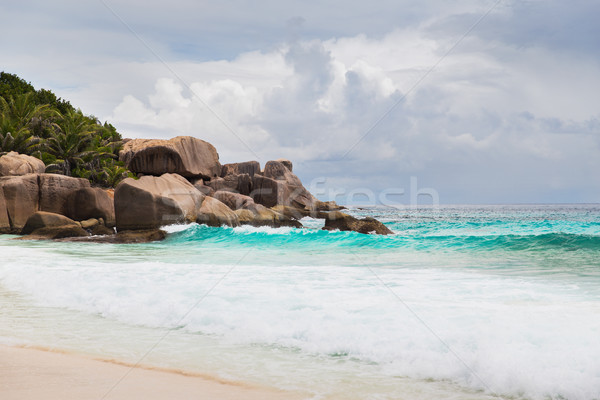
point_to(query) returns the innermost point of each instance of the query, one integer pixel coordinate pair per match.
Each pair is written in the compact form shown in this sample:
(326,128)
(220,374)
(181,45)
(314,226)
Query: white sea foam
(323,310)
(177,227)
(248,229)
(538,338)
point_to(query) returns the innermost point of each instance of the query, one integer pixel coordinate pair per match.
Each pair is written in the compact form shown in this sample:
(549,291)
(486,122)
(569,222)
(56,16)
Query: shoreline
(31,372)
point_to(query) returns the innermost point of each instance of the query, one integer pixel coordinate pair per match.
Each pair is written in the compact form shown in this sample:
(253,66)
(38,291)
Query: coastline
(33,373)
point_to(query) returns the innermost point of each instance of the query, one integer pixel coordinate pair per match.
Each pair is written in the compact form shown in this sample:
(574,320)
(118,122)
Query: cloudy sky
(478,101)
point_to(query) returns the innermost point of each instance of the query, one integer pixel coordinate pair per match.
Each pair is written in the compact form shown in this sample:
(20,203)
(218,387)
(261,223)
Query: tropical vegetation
(37,123)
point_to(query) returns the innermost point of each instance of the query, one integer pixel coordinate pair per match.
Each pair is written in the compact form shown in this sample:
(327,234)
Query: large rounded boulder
(21,197)
(25,194)
(42,219)
(56,190)
(15,164)
(215,213)
(183,155)
(86,203)
(154,201)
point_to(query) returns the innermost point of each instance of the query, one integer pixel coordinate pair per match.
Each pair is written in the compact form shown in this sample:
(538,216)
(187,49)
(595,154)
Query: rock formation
(4,220)
(15,164)
(238,183)
(250,213)
(183,155)
(26,194)
(86,203)
(21,195)
(235,201)
(154,201)
(215,213)
(279,186)
(344,222)
(248,167)
(42,219)
(180,180)
(46,225)
(55,191)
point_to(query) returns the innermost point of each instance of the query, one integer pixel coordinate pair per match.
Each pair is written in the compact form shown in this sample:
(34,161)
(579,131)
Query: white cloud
(321,98)
(508,115)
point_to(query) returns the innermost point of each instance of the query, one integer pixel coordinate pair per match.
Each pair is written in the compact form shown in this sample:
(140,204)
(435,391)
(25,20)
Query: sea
(461,302)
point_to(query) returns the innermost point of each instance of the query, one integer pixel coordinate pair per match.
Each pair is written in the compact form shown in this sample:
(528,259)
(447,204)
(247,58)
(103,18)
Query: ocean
(462,302)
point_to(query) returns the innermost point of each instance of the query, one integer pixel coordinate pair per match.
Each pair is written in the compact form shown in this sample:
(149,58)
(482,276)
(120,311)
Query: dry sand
(27,373)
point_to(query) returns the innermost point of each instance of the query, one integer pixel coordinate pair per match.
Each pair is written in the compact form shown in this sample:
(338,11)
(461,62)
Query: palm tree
(115,173)
(71,143)
(19,116)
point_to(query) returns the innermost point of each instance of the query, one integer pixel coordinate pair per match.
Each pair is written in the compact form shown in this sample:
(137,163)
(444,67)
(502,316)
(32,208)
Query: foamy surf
(419,315)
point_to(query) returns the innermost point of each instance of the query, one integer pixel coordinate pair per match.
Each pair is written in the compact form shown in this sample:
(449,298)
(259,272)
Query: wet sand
(27,373)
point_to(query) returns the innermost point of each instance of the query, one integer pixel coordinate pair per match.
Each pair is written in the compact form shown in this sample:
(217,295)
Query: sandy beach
(27,373)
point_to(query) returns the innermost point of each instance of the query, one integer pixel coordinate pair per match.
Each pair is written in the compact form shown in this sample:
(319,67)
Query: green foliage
(11,85)
(114,172)
(38,123)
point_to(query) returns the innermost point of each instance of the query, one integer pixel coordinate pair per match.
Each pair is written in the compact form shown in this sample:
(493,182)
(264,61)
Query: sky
(397,102)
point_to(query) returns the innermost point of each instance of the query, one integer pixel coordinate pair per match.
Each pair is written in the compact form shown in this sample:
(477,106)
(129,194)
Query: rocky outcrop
(279,171)
(4,220)
(22,198)
(287,163)
(42,219)
(181,180)
(249,167)
(140,236)
(47,225)
(204,189)
(101,230)
(238,183)
(183,155)
(86,203)
(15,164)
(58,232)
(152,202)
(122,237)
(327,206)
(271,192)
(292,212)
(215,213)
(56,190)
(89,224)
(235,201)
(344,222)
(262,216)
(26,194)
(250,213)
(279,186)
(23,195)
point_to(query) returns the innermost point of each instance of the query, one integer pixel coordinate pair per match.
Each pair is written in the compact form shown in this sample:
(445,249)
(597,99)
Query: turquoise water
(461,302)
